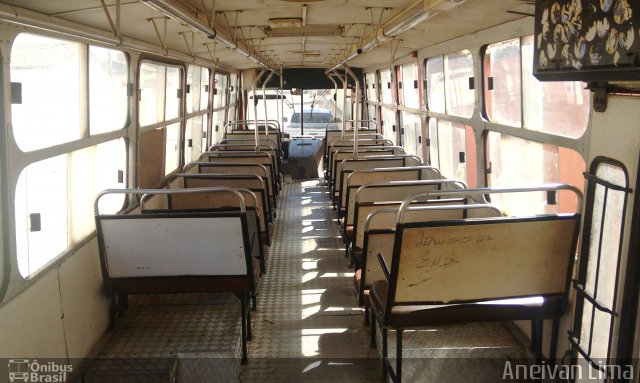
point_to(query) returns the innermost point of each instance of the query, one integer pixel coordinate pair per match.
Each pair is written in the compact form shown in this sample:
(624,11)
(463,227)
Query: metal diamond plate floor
(307,326)
(173,338)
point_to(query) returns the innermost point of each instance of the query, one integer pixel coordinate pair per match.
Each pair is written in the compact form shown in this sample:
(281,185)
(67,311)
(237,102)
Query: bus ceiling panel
(293,2)
(228,6)
(67,7)
(467,18)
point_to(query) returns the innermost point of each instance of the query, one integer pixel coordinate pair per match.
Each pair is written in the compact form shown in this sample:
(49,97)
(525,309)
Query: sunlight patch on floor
(337,275)
(311,336)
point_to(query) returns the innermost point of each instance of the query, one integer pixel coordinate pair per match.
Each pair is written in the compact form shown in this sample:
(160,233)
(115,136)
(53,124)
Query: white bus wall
(63,314)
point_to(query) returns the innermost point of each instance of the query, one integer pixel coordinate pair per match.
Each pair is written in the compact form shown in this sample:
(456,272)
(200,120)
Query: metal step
(173,338)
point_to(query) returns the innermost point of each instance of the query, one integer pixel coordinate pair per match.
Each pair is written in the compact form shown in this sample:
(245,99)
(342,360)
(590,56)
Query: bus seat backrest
(459,261)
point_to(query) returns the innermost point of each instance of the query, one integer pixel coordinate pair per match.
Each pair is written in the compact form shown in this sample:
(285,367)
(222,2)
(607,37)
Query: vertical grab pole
(281,101)
(255,108)
(335,92)
(344,102)
(264,101)
(278,95)
(356,110)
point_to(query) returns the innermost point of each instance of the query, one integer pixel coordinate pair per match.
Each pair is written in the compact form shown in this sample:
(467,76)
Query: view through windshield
(306,112)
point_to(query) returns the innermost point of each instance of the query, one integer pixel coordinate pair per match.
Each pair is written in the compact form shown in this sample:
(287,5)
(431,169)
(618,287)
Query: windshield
(315,105)
(313,118)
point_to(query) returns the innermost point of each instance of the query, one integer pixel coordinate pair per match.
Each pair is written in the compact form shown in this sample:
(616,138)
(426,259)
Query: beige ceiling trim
(88,9)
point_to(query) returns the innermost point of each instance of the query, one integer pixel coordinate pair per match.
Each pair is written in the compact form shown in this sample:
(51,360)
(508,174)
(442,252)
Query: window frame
(165,123)
(202,113)
(25,159)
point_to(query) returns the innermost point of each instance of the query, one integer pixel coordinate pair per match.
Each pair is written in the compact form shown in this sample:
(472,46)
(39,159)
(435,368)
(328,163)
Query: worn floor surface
(308,327)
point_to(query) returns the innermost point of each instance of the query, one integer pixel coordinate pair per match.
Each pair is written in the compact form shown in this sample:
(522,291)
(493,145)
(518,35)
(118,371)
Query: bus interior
(319,190)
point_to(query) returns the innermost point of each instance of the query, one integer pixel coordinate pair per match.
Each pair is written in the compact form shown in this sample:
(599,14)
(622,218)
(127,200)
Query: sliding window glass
(195,139)
(172,148)
(152,93)
(54,201)
(453,150)
(460,96)
(173,90)
(197,88)
(233,88)
(370,83)
(513,96)
(434,159)
(385,86)
(517,162)
(412,134)
(371,115)
(434,68)
(108,80)
(42,213)
(197,100)
(233,97)
(410,86)
(221,92)
(557,107)
(159,104)
(389,125)
(218,120)
(46,85)
(503,90)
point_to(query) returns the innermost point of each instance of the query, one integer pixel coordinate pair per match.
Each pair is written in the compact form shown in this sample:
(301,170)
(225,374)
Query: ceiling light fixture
(285,22)
(407,19)
(180,14)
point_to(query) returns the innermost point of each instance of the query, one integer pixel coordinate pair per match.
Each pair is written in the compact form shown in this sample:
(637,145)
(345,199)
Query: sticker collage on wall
(577,34)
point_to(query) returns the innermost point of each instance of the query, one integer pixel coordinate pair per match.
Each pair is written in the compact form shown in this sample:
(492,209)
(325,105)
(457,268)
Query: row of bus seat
(206,229)
(428,251)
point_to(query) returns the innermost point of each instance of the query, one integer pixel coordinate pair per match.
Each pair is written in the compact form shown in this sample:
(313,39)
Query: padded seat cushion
(357,279)
(357,256)
(431,315)
(348,231)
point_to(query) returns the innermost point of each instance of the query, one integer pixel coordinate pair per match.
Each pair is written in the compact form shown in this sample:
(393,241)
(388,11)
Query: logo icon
(19,370)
